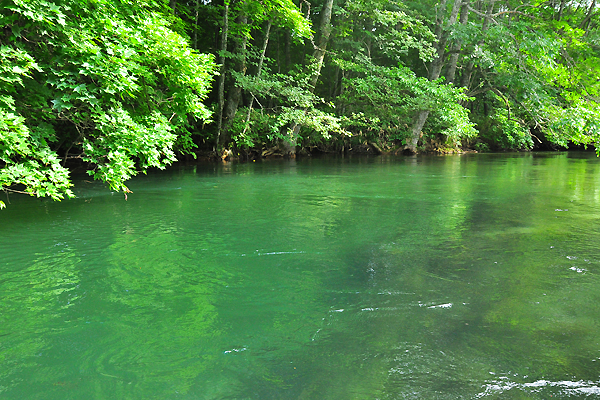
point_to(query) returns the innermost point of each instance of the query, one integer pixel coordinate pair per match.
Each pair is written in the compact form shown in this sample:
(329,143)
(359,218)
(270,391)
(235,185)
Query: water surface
(455,277)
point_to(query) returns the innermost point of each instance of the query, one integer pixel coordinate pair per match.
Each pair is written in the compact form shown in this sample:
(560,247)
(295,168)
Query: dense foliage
(124,87)
(104,81)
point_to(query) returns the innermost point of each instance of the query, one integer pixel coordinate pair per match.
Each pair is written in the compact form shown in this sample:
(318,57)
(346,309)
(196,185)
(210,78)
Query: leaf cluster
(113,78)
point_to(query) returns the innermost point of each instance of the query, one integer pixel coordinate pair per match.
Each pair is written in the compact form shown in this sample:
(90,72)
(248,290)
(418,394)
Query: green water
(456,277)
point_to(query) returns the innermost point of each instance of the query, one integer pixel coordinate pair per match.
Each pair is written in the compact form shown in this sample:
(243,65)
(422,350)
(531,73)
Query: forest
(120,87)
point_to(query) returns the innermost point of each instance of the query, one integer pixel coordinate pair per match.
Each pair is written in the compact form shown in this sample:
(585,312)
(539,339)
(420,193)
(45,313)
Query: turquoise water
(454,277)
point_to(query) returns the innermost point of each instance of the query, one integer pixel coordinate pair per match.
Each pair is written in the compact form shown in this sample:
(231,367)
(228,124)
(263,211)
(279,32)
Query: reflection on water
(452,277)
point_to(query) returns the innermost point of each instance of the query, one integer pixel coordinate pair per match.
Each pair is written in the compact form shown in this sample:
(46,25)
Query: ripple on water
(505,385)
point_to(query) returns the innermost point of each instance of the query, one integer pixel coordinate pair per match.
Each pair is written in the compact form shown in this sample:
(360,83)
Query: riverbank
(431,147)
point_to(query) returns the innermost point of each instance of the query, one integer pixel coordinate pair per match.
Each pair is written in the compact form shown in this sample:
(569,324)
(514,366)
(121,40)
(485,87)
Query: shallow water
(473,277)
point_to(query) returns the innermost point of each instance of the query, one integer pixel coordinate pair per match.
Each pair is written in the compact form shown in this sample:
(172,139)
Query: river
(448,277)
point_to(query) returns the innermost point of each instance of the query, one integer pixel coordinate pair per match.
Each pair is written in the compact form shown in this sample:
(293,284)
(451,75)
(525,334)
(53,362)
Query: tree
(121,87)
(108,83)
(442,26)
(318,55)
(534,72)
(379,94)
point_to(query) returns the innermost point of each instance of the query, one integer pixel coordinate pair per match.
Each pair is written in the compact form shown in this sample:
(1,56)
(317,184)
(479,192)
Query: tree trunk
(325,29)
(466,77)
(561,9)
(234,94)
(439,19)
(585,23)
(455,49)
(263,52)
(436,65)
(221,90)
(258,71)
(334,83)
(415,133)
(289,146)
(288,54)
(196,12)
(435,70)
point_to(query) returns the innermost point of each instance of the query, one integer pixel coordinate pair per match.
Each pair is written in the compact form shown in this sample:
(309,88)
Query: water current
(450,277)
